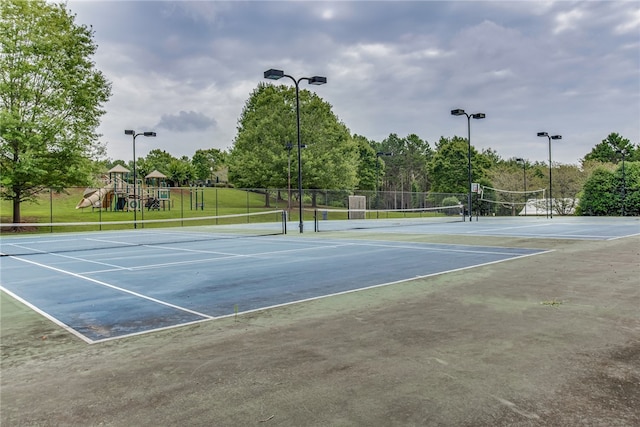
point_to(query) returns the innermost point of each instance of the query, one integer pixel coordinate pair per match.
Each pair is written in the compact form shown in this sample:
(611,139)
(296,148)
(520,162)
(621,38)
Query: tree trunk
(266,198)
(16,206)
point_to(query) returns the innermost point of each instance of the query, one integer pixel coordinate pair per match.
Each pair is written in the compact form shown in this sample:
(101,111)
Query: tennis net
(39,238)
(354,219)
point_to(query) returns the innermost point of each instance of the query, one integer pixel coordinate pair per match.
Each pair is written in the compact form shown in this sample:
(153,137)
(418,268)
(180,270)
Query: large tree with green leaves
(612,148)
(207,162)
(612,192)
(370,166)
(449,170)
(405,163)
(260,157)
(156,160)
(50,100)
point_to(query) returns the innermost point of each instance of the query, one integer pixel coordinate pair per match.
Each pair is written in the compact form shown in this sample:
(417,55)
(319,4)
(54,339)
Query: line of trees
(205,166)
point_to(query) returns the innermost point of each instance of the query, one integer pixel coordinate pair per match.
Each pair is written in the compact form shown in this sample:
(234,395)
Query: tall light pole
(379,154)
(459,112)
(288,147)
(550,204)
(524,176)
(315,80)
(135,183)
(624,180)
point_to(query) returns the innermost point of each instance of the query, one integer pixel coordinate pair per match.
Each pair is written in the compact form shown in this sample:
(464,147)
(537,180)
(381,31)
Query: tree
(259,157)
(50,99)
(370,166)
(568,180)
(629,187)
(448,168)
(598,195)
(156,160)
(609,150)
(180,172)
(406,168)
(206,162)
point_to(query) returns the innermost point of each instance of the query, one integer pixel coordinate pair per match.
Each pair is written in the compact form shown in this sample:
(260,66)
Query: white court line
(622,237)
(208,260)
(506,228)
(437,249)
(118,267)
(164,328)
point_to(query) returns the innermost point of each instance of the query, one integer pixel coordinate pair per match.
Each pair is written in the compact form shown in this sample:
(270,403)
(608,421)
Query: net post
(316,226)
(284,221)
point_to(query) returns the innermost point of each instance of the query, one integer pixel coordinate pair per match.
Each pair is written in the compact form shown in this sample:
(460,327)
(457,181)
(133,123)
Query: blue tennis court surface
(113,291)
(109,293)
(559,227)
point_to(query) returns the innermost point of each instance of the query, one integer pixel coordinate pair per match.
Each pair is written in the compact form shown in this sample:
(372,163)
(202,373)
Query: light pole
(379,154)
(550,204)
(624,180)
(288,147)
(459,112)
(524,176)
(135,183)
(315,80)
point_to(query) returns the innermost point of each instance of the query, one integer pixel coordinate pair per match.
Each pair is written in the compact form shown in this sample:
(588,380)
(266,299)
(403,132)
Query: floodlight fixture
(273,74)
(317,80)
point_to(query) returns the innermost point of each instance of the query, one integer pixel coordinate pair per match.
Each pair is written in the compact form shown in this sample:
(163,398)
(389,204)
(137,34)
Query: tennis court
(579,228)
(123,288)
(111,284)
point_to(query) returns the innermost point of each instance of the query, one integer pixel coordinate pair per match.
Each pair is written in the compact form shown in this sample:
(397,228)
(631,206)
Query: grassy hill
(61,207)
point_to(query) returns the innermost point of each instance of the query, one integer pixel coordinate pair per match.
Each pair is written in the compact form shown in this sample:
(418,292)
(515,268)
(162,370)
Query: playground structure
(118,194)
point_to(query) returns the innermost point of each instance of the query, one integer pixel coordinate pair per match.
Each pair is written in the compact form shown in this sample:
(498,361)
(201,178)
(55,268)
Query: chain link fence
(110,203)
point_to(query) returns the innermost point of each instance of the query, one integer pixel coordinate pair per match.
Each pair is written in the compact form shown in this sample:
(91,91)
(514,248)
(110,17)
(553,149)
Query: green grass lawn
(61,207)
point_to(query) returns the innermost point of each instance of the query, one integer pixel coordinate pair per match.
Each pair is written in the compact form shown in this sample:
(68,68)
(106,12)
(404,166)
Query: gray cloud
(186,121)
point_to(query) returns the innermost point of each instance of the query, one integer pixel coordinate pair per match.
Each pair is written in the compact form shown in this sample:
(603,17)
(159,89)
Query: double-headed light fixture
(315,80)
(550,200)
(523,162)
(135,183)
(459,112)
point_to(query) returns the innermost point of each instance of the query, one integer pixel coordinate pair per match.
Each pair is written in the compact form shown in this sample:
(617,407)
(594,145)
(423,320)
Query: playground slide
(95,198)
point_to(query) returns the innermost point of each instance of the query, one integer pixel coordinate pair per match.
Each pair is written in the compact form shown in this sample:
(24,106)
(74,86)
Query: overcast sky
(186,69)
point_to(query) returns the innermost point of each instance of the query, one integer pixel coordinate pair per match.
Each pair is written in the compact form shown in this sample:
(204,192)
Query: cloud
(392,67)
(569,20)
(186,121)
